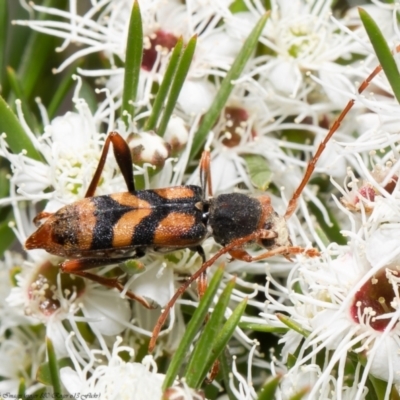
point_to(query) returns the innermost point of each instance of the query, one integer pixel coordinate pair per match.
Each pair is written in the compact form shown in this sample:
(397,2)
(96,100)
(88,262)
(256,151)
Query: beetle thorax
(233,216)
(236,215)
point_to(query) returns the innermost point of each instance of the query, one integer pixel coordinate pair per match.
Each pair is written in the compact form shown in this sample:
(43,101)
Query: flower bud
(176,134)
(147,147)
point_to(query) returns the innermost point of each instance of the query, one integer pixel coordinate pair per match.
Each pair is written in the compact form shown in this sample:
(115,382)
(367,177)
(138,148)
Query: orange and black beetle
(99,230)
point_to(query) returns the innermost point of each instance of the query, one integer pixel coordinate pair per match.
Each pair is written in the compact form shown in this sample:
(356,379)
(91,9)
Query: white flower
(305,39)
(348,305)
(10,316)
(307,376)
(347,301)
(242,387)
(104,28)
(21,352)
(110,377)
(22,349)
(51,298)
(115,379)
(71,147)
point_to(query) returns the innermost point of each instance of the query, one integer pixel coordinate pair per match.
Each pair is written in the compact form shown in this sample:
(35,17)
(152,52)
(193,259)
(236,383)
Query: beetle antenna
(291,208)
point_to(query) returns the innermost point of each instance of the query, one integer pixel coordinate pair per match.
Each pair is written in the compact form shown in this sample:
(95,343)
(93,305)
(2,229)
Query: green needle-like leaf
(15,84)
(262,328)
(4,181)
(54,369)
(164,87)
(268,390)
(43,374)
(88,94)
(192,328)
(19,94)
(3,36)
(226,368)
(6,234)
(293,325)
(238,6)
(37,53)
(179,78)
(300,394)
(225,90)
(382,51)
(61,92)
(291,361)
(21,389)
(17,139)
(133,62)
(224,335)
(195,374)
(380,387)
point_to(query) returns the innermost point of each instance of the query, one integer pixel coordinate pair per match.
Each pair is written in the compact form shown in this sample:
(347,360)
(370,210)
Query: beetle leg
(286,251)
(82,264)
(79,267)
(205,173)
(202,280)
(114,283)
(234,245)
(200,251)
(240,254)
(202,284)
(123,157)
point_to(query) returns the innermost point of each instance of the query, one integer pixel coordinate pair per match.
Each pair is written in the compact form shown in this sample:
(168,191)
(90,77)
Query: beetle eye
(268,226)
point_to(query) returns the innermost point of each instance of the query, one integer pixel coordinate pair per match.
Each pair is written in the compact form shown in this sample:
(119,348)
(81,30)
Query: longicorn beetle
(101,230)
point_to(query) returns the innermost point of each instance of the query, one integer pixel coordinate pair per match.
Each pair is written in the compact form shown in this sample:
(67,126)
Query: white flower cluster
(342,307)
(347,301)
